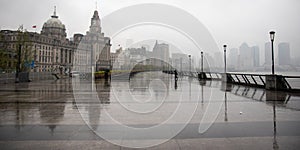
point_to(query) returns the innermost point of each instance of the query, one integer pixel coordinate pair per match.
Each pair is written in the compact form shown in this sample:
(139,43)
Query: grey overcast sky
(229,21)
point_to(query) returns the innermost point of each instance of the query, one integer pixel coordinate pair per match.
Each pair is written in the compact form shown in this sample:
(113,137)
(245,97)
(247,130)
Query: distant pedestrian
(176,75)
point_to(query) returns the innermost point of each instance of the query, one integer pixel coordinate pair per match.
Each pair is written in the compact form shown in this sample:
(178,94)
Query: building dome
(54,27)
(54,23)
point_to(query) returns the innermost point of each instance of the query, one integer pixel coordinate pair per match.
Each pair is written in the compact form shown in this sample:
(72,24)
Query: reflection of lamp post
(272,36)
(226,118)
(202,97)
(225,58)
(275,144)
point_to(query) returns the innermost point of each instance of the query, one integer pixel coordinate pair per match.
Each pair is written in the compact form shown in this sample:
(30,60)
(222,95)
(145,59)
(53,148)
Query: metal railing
(213,75)
(256,80)
(292,82)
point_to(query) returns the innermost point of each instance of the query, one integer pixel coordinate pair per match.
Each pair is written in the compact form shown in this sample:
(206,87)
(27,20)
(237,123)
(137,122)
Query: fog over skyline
(230,22)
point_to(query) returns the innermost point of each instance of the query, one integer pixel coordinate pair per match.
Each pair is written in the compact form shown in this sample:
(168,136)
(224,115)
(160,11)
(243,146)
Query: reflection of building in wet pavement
(103,90)
(29,111)
(91,101)
(38,100)
(53,113)
(146,81)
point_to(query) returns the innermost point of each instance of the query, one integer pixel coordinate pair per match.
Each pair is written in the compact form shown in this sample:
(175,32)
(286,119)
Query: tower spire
(54,13)
(96,5)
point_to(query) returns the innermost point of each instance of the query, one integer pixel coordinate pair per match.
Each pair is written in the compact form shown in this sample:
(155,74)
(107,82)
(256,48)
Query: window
(70,57)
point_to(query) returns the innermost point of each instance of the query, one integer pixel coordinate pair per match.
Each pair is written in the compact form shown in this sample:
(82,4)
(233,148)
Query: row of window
(45,59)
(43,47)
(14,46)
(15,38)
(46,53)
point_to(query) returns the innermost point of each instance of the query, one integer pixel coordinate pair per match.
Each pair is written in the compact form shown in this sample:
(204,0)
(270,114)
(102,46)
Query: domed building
(54,27)
(52,51)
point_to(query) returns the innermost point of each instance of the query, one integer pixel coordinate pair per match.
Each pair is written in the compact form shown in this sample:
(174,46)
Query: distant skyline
(230,22)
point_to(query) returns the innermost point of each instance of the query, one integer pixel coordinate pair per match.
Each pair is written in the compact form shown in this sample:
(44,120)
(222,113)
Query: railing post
(275,82)
(226,77)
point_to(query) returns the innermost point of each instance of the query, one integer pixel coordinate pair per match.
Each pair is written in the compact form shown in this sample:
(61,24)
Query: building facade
(93,49)
(52,51)
(284,56)
(246,57)
(49,51)
(268,55)
(255,55)
(161,51)
(233,59)
(180,61)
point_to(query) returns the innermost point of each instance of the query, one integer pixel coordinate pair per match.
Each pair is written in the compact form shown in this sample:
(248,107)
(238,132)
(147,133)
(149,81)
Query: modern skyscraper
(268,56)
(180,61)
(218,60)
(233,58)
(255,55)
(246,57)
(284,56)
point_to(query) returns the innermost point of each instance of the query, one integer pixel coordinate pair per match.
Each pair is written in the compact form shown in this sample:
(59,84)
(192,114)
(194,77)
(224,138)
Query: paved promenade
(47,114)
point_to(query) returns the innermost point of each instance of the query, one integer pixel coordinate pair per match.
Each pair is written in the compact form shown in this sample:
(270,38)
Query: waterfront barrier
(269,82)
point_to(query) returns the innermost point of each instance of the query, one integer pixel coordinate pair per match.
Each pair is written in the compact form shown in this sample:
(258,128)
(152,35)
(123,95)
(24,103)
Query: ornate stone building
(94,48)
(52,51)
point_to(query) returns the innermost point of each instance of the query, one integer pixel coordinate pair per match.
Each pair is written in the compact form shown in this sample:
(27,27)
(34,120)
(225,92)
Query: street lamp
(190,64)
(18,67)
(201,61)
(180,64)
(272,37)
(225,58)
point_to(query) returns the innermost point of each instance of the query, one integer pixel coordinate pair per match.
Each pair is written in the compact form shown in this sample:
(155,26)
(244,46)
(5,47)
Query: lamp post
(201,61)
(225,58)
(180,64)
(272,36)
(18,67)
(190,67)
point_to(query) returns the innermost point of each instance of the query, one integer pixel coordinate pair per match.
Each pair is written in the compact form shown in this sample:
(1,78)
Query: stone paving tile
(45,115)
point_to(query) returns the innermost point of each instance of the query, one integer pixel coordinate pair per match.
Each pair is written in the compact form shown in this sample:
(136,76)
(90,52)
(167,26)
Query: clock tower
(100,45)
(95,23)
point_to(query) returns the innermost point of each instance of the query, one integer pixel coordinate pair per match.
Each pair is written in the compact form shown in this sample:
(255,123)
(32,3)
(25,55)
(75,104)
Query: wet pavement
(63,115)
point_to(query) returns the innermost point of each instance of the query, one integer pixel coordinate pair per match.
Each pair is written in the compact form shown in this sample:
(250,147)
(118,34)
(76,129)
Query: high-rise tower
(284,56)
